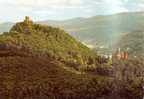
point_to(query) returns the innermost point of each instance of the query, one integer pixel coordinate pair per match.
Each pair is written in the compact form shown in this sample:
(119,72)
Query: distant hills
(99,31)
(5,27)
(102,30)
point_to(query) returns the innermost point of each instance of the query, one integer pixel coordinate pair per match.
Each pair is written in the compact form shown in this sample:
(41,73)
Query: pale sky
(15,10)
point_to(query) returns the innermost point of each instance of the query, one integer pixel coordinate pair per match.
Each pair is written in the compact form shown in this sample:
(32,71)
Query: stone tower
(27,20)
(27,27)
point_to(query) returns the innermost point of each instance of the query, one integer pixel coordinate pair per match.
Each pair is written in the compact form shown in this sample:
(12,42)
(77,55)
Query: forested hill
(47,41)
(36,63)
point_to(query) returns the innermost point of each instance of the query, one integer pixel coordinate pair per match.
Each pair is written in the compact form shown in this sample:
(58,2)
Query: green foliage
(31,77)
(129,76)
(48,41)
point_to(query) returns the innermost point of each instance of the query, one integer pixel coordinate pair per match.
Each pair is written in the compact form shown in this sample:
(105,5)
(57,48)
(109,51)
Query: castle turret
(27,20)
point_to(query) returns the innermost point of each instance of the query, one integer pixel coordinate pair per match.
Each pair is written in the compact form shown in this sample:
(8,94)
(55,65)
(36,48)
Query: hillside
(35,63)
(102,30)
(41,40)
(31,77)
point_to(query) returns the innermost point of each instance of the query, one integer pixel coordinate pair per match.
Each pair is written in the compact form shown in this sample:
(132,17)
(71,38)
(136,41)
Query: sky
(15,10)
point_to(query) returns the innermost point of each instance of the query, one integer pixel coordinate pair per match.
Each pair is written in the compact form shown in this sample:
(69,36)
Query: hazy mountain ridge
(100,30)
(5,27)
